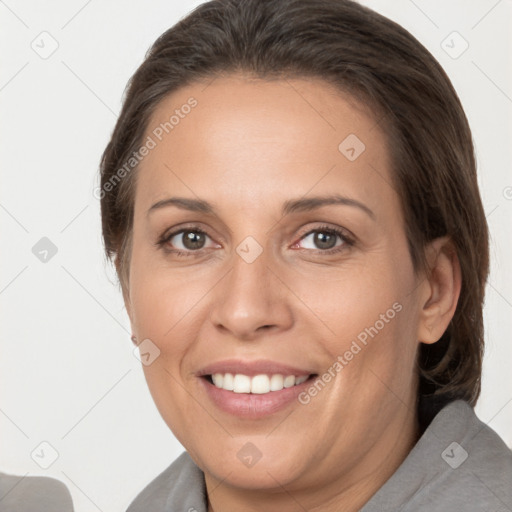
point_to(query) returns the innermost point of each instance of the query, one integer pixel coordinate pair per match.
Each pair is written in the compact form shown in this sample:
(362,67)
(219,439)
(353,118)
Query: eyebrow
(290,206)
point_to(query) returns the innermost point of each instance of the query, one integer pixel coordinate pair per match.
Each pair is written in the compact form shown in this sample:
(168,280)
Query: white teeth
(241,383)
(218,379)
(289,381)
(276,382)
(259,384)
(227,382)
(300,380)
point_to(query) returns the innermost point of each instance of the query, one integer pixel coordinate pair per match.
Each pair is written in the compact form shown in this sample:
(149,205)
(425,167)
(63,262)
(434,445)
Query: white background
(67,372)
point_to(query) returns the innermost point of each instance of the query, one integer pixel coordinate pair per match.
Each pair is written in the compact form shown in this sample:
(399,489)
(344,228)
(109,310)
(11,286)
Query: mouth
(254,389)
(261,384)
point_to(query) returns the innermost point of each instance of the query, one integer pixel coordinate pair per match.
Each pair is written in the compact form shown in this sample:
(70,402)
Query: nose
(251,301)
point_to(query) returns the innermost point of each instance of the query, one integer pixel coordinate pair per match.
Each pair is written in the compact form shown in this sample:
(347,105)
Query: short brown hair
(380,64)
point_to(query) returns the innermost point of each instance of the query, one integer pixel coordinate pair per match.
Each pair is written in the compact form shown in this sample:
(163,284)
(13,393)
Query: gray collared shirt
(459,464)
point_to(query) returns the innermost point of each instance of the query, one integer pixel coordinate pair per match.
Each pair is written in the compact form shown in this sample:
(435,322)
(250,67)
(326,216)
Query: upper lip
(252,368)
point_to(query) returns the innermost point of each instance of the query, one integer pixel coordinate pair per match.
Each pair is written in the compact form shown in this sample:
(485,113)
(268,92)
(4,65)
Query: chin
(253,464)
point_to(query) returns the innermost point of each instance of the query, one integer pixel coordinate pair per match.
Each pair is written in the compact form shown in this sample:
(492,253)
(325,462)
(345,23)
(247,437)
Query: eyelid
(345,235)
(171,233)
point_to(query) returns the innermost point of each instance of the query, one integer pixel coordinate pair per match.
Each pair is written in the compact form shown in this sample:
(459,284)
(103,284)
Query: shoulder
(179,487)
(484,459)
(29,493)
(459,463)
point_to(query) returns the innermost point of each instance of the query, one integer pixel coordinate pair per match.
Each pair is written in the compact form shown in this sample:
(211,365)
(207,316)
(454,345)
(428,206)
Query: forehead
(263,141)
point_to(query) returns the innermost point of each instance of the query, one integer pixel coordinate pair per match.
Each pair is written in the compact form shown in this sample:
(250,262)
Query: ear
(123,282)
(127,302)
(441,290)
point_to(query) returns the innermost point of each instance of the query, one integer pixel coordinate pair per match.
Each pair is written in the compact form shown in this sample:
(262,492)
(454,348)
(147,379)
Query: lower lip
(252,405)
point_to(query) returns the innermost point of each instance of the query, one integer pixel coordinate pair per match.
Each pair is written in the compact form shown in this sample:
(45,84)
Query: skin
(247,147)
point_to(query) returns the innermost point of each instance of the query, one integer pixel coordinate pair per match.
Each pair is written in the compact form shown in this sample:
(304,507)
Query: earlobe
(125,290)
(442,290)
(128,307)
(124,285)
(127,303)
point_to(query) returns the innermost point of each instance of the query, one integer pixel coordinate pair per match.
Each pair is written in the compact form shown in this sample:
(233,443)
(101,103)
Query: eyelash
(165,238)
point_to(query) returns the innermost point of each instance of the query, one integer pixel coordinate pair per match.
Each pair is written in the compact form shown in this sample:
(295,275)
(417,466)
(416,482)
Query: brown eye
(325,239)
(193,240)
(188,239)
(186,242)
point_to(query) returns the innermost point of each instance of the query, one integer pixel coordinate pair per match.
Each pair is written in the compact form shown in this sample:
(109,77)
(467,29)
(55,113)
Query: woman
(291,203)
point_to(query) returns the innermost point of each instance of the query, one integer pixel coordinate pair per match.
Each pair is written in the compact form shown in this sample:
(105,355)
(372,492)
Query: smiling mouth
(258,384)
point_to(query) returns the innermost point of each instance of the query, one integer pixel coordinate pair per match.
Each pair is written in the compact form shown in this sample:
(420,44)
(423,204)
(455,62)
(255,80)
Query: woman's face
(274,279)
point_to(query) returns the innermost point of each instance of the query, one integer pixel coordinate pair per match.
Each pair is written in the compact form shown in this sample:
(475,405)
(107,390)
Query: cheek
(162,298)
(371,316)
(163,310)
(356,300)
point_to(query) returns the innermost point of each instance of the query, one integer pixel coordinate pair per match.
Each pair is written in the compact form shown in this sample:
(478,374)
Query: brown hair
(383,66)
